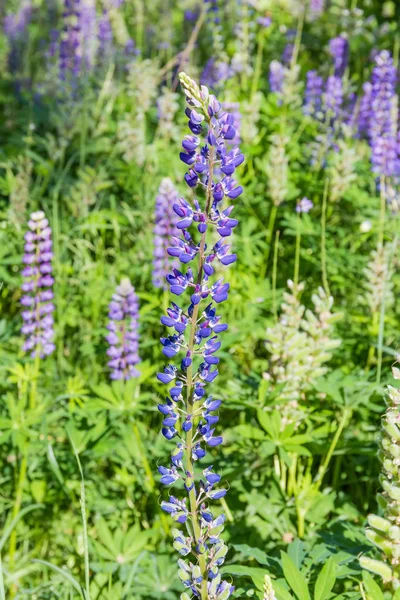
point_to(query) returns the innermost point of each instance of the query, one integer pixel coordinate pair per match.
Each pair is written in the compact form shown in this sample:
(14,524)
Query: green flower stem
(323,239)
(324,466)
(270,233)
(15,513)
(297,253)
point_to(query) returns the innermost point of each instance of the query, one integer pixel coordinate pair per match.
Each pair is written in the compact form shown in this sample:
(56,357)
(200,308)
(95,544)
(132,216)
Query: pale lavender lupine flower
(123,336)
(339,50)
(37,287)
(276,76)
(316,7)
(304,205)
(364,114)
(105,34)
(334,96)
(164,231)
(313,93)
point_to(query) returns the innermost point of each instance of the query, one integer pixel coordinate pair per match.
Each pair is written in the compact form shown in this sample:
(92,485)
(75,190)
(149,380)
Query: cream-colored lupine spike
(269,593)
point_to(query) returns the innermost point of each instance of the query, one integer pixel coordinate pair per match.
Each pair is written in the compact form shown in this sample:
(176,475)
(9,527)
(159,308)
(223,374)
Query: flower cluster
(70,45)
(37,287)
(313,93)
(123,336)
(384,531)
(339,50)
(190,414)
(164,231)
(276,76)
(382,122)
(300,344)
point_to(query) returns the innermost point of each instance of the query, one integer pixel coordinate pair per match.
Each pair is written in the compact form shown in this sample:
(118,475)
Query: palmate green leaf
(243,571)
(295,578)
(270,422)
(325,581)
(248,432)
(281,592)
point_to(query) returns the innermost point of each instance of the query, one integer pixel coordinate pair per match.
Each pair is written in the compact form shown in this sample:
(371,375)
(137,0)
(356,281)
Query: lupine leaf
(325,581)
(295,578)
(373,590)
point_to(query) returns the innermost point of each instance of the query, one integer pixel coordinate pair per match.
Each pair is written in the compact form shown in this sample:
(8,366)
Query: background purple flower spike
(123,336)
(164,230)
(37,287)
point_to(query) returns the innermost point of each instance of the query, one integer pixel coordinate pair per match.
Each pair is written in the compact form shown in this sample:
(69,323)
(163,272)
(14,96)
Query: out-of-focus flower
(339,50)
(304,205)
(123,336)
(37,287)
(164,231)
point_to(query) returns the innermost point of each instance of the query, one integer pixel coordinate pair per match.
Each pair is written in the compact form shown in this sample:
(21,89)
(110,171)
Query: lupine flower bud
(37,287)
(123,336)
(269,593)
(384,532)
(164,230)
(189,414)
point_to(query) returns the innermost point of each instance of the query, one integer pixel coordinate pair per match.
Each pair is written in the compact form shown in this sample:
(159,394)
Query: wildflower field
(199,333)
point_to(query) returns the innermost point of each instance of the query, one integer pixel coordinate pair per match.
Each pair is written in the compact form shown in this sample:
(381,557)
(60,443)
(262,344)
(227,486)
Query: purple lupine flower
(37,287)
(233,108)
(70,46)
(364,114)
(382,125)
(334,96)
(339,50)
(304,205)
(164,231)
(105,34)
(264,21)
(276,76)
(317,7)
(215,72)
(15,24)
(123,336)
(287,53)
(313,93)
(15,28)
(189,413)
(88,27)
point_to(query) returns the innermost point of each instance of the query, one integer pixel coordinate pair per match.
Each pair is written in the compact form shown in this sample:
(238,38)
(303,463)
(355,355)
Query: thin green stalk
(84,523)
(297,41)
(323,238)
(274,275)
(270,233)
(15,513)
(324,467)
(35,377)
(382,316)
(381,230)
(2,590)
(297,252)
(258,63)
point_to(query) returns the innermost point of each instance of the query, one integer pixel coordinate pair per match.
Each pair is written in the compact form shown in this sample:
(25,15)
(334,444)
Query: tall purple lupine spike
(313,93)
(382,123)
(189,412)
(339,50)
(37,288)
(164,232)
(70,44)
(276,76)
(124,332)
